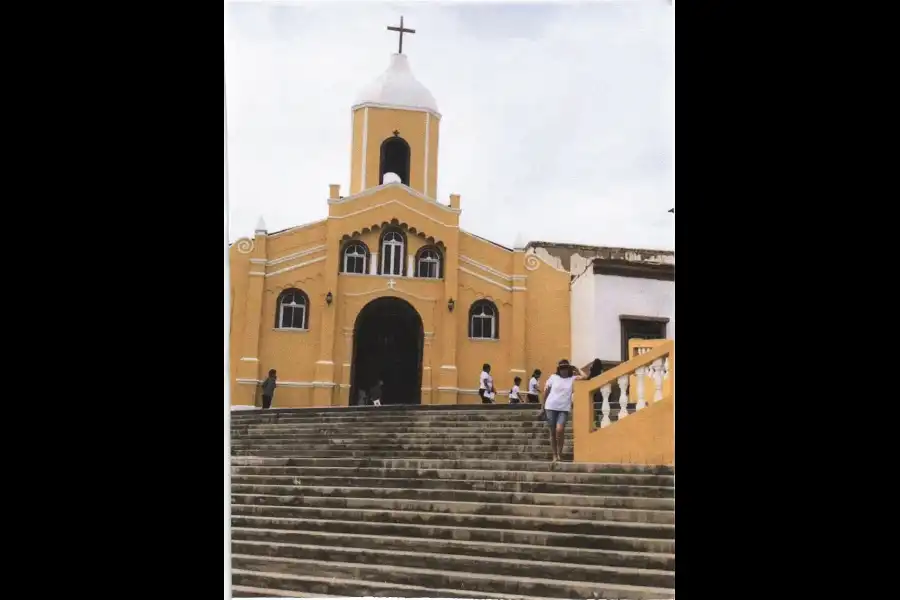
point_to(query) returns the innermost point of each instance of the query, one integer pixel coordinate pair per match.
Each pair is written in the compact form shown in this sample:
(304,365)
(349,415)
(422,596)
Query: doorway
(643,328)
(388,339)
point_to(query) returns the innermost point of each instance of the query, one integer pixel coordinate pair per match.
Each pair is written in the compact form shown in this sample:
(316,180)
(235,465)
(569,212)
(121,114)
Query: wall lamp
(450,304)
(329,298)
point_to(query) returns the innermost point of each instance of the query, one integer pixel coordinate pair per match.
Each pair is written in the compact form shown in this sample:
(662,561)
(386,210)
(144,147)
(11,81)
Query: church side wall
(583,319)
(617,296)
(548,332)
(238,268)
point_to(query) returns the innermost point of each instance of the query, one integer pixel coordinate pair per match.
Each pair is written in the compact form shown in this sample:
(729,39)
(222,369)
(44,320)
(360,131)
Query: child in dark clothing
(268,389)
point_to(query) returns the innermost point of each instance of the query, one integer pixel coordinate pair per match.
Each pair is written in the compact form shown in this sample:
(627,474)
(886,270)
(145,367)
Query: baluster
(658,379)
(640,372)
(623,396)
(606,390)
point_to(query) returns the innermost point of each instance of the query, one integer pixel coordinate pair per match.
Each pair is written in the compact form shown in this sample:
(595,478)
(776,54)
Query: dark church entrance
(387,344)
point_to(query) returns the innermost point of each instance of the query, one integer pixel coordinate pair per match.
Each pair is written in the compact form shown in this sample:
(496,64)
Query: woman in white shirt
(558,404)
(534,387)
(514,391)
(486,385)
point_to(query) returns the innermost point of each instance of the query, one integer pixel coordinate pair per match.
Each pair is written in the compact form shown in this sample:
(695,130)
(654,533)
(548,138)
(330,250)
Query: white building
(617,294)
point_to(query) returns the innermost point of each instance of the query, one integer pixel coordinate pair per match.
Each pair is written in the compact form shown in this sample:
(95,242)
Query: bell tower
(396,125)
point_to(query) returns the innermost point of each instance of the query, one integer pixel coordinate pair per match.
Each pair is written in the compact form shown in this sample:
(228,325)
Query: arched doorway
(388,339)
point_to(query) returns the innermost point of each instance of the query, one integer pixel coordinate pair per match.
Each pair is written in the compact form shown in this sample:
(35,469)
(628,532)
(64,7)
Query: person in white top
(486,385)
(558,404)
(534,387)
(514,392)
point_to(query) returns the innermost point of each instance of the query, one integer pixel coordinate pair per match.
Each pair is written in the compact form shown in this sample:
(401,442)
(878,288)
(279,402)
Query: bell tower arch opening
(395,158)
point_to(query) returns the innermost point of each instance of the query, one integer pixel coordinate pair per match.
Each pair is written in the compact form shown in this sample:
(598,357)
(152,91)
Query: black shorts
(483,399)
(533,398)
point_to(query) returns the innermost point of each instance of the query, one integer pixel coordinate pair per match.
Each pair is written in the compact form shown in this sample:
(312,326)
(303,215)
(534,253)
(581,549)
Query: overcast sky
(557,118)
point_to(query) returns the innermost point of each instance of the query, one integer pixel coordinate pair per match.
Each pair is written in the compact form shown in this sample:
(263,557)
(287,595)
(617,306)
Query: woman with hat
(558,403)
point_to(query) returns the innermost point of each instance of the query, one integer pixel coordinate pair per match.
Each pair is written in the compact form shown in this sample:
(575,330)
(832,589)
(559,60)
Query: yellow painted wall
(374,125)
(313,365)
(534,327)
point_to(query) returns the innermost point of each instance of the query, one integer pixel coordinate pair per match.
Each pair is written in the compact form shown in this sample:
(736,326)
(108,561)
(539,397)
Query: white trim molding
(258,261)
(297,266)
(490,270)
(487,279)
(388,203)
(245,381)
(393,185)
(301,253)
(323,384)
(257,273)
(365,144)
(427,128)
(249,359)
(291,329)
(324,362)
(449,367)
(395,107)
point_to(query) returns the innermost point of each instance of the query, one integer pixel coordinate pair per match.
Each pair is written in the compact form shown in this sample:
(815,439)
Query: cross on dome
(401,30)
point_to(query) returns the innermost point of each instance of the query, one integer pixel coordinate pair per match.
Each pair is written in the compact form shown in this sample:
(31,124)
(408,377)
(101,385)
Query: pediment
(398,189)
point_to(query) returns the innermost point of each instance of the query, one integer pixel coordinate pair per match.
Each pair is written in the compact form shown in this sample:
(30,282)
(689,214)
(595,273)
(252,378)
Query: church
(389,287)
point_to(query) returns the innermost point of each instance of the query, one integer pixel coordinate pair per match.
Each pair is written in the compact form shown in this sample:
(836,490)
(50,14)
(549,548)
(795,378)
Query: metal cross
(391,283)
(402,31)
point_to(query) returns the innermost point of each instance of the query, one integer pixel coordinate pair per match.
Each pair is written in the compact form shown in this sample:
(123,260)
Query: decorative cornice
(387,288)
(489,280)
(297,266)
(290,257)
(356,107)
(394,185)
(624,268)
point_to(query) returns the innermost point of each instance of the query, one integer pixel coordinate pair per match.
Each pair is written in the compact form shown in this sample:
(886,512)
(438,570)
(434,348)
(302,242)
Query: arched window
(395,156)
(392,252)
(355,258)
(428,263)
(292,310)
(484,321)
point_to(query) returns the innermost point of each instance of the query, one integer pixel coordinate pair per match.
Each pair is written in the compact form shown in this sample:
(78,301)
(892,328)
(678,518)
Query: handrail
(630,365)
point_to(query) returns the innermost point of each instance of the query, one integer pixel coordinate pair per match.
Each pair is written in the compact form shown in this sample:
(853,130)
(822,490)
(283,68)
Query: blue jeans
(557,417)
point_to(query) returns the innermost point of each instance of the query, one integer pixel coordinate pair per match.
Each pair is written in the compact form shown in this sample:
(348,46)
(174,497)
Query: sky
(557,118)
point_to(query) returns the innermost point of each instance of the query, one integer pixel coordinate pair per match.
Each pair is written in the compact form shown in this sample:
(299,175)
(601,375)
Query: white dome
(391,178)
(398,87)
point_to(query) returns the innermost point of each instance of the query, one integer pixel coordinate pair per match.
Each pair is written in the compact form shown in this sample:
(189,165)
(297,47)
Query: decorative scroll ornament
(244,245)
(532,262)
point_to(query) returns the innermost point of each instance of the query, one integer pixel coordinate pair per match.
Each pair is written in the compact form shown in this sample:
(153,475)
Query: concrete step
(403,502)
(374,412)
(454,562)
(412,454)
(313,587)
(468,464)
(502,436)
(508,472)
(399,426)
(358,490)
(384,416)
(438,534)
(244,591)
(399,408)
(432,578)
(445,483)
(315,508)
(506,551)
(438,444)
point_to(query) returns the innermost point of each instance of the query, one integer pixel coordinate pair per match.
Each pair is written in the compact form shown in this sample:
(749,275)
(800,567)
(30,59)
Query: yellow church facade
(388,287)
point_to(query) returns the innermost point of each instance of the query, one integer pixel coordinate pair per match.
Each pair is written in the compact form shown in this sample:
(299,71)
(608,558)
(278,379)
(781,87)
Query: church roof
(398,87)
